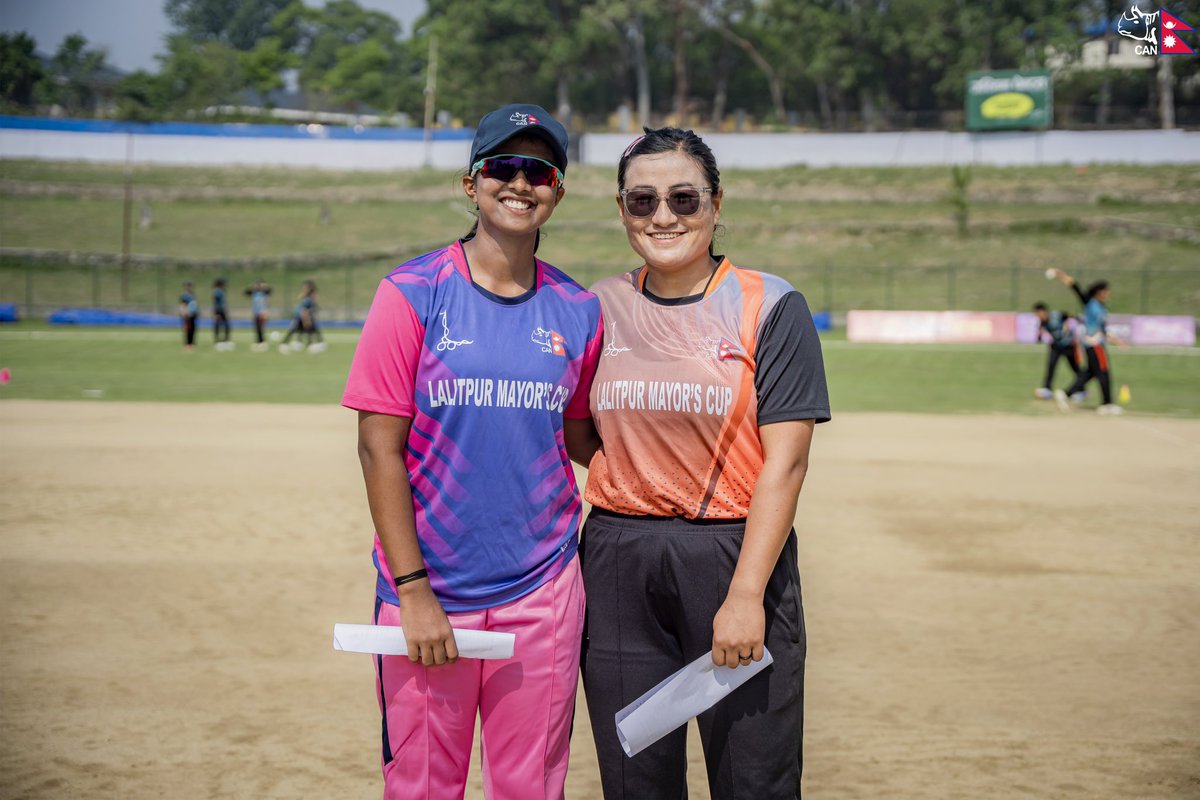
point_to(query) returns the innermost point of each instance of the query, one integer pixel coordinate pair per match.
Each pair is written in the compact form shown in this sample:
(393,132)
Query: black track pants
(653,587)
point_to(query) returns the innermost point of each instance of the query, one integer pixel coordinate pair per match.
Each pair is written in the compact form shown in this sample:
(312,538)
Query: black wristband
(412,576)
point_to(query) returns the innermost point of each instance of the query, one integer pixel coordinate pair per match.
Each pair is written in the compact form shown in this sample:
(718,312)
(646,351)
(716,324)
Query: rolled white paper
(690,691)
(388,640)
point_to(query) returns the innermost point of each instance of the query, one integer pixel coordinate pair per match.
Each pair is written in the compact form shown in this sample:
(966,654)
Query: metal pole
(430,99)
(828,286)
(287,289)
(128,222)
(1145,290)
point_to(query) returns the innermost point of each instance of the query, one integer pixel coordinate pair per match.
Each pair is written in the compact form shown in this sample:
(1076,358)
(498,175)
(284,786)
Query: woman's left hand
(739,630)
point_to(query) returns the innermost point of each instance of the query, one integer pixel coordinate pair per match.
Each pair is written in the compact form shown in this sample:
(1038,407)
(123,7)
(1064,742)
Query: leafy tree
(74,70)
(196,75)
(263,66)
(347,53)
(623,27)
(743,26)
(240,24)
(490,53)
(141,97)
(20,71)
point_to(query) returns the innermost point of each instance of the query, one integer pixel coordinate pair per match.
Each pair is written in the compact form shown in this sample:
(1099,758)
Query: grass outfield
(56,363)
(848,238)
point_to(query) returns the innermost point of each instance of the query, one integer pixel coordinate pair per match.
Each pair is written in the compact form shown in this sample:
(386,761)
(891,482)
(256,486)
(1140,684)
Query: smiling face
(514,208)
(671,244)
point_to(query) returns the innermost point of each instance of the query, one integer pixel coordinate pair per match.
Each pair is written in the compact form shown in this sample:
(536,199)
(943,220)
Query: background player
(1062,345)
(220,317)
(1094,338)
(189,311)
(258,294)
(304,320)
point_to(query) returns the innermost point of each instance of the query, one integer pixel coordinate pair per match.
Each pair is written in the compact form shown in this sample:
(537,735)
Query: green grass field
(138,365)
(848,238)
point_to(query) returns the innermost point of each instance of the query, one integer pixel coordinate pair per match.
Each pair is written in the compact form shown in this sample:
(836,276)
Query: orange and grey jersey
(684,384)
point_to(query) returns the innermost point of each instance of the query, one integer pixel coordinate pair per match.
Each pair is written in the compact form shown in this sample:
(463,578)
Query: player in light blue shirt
(258,294)
(1093,339)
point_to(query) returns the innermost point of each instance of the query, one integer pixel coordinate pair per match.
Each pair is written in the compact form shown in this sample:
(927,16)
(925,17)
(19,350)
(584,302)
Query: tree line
(832,64)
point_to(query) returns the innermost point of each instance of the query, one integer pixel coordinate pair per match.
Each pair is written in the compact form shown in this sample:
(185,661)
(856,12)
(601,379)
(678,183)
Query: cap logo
(518,118)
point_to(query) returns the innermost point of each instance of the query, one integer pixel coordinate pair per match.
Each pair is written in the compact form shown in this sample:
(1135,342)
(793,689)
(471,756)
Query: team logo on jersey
(446,343)
(549,341)
(727,350)
(719,349)
(612,350)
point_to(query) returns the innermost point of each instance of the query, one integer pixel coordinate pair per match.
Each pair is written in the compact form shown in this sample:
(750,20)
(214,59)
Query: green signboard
(1009,99)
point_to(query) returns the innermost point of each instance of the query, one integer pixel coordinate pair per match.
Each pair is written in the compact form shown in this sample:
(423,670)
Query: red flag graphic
(556,344)
(1172,45)
(727,350)
(1171,23)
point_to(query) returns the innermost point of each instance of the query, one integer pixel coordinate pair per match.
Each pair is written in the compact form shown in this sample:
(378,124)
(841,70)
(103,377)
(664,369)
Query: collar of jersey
(459,259)
(719,274)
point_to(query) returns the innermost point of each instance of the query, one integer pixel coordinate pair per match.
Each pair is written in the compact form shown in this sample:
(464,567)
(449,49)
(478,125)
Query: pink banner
(979,326)
(930,326)
(1164,331)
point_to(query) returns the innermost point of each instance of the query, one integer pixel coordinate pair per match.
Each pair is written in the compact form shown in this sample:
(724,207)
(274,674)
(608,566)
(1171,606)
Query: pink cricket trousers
(526,703)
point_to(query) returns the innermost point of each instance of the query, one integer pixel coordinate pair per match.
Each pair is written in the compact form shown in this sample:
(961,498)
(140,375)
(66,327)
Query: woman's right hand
(426,626)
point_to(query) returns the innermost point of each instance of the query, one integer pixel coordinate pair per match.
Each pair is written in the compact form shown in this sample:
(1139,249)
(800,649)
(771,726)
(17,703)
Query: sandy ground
(998,607)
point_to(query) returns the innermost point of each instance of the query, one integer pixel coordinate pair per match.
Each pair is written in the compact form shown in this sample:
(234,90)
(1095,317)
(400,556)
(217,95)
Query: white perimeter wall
(230,150)
(926,148)
(749,150)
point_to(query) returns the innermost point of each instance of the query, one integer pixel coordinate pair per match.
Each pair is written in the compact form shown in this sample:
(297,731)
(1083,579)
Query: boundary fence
(42,283)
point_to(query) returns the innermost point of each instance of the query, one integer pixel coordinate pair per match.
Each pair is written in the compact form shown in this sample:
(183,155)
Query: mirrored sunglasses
(505,167)
(683,202)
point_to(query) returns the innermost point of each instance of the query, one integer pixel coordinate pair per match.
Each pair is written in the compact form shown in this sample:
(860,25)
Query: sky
(131,30)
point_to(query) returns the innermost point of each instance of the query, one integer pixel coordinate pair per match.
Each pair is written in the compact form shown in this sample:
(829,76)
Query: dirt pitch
(998,607)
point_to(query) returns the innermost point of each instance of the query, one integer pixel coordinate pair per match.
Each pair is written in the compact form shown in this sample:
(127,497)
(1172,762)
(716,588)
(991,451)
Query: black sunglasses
(644,202)
(505,167)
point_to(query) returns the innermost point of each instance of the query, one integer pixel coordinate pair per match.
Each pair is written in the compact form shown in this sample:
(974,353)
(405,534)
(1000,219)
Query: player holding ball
(1094,338)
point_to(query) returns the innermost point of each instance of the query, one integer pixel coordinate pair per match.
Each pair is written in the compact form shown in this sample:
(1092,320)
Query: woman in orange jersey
(709,386)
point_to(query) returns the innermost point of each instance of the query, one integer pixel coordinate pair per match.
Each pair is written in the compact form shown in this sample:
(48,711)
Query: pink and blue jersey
(487,382)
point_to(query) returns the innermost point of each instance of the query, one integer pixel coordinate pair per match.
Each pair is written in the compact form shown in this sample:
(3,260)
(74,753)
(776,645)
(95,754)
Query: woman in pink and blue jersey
(471,381)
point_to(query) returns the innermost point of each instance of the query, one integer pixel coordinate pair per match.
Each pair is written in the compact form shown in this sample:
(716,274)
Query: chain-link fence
(41,287)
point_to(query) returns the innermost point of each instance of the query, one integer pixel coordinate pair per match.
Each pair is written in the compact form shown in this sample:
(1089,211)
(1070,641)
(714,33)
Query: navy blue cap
(504,123)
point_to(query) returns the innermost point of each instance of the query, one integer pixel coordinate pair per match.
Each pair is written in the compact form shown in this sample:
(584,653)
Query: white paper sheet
(389,640)
(690,691)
